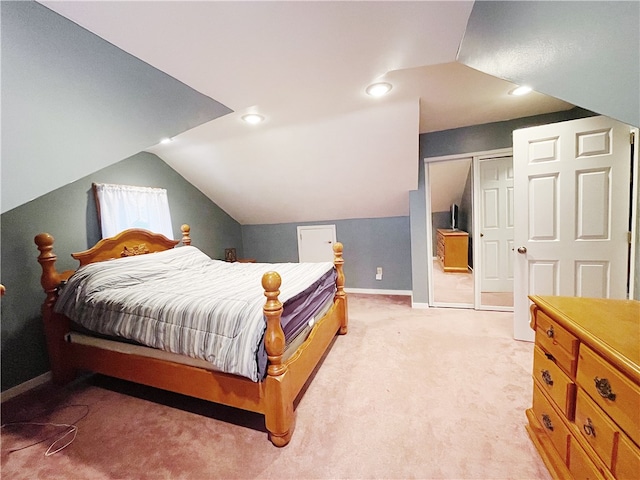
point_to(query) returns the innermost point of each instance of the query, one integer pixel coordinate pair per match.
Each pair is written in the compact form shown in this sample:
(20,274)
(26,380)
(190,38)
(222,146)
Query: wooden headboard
(135,241)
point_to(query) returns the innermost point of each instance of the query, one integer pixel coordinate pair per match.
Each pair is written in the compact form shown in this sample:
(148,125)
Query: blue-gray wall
(71,98)
(368,243)
(69,214)
(478,138)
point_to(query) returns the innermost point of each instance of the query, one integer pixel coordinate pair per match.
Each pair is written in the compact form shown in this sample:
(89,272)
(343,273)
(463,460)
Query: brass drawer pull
(550,332)
(546,421)
(604,388)
(589,429)
(546,378)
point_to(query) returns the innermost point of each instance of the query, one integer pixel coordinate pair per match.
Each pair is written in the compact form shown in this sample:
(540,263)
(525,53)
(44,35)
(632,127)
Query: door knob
(522,249)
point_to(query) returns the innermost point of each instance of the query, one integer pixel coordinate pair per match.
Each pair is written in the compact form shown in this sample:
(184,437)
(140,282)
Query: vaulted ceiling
(326,150)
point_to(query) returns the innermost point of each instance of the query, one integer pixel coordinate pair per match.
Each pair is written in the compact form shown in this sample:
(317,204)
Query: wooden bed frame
(273,397)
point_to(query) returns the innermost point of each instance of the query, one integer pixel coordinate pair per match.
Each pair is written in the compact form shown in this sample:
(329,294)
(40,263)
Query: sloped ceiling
(326,150)
(585,52)
(72,103)
(446,183)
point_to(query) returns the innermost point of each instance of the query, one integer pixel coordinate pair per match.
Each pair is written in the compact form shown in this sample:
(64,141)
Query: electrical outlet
(378,273)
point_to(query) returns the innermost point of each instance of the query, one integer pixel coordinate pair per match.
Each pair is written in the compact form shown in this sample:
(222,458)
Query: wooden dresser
(452,250)
(585,417)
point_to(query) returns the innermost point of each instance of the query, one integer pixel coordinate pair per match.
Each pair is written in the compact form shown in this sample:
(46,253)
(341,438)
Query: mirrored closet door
(450,200)
(494,232)
(470,218)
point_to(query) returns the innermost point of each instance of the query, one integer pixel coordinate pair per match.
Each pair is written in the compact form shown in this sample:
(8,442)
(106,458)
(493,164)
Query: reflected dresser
(585,414)
(452,250)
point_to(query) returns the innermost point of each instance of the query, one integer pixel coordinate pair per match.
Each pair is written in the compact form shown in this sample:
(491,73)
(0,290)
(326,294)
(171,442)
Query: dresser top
(611,327)
(450,232)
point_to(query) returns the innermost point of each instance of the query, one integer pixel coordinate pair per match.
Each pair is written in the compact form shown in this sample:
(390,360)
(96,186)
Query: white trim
(419,305)
(374,291)
(495,308)
(461,156)
(467,306)
(429,224)
(25,387)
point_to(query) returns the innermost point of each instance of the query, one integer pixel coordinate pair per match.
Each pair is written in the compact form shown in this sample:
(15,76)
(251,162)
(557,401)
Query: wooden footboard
(273,397)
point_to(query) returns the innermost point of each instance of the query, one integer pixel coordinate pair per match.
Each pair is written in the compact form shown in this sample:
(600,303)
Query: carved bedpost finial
(186,238)
(274,340)
(50,278)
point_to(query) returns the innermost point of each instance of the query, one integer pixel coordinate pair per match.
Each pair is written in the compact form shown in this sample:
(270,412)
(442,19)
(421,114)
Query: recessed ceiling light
(518,91)
(252,118)
(379,89)
(164,141)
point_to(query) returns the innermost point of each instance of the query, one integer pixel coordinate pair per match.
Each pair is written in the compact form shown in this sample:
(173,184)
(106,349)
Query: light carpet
(429,394)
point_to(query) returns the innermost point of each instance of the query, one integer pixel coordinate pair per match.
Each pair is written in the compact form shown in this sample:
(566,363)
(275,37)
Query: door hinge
(632,137)
(629,237)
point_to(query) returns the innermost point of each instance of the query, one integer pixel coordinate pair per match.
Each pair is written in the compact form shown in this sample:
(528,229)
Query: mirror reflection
(495,218)
(450,189)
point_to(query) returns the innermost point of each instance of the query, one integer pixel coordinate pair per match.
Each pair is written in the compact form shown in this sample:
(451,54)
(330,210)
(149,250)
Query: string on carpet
(70,429)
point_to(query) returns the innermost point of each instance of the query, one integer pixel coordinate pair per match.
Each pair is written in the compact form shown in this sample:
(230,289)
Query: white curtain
(126,206)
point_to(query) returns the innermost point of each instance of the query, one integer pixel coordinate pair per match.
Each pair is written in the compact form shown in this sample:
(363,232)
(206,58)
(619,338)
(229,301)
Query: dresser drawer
(558,386)
(580,465)
(551,422)
(595,427)
(557,341)
(627,463)
(614,392)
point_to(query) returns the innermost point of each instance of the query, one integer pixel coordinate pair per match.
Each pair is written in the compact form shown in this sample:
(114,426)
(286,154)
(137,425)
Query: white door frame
(500,152)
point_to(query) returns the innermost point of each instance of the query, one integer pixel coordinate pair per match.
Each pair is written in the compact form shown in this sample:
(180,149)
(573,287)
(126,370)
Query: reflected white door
(572,184)
(315,243)
(496,224)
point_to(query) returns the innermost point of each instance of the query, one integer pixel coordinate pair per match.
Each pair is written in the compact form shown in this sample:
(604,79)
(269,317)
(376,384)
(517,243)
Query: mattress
(181,301)
(85,337)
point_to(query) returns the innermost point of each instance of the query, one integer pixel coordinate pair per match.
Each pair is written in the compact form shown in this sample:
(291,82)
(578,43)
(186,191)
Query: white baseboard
(25,387)
(374,291)
(419,305)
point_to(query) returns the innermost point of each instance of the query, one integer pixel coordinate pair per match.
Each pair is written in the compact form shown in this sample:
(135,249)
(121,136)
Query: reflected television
(454,216)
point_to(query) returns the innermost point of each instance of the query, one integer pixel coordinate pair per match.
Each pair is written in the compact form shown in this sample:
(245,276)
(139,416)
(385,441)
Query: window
(126,206)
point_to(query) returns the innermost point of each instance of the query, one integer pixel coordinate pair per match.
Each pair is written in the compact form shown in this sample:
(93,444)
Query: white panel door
(315,243)
(496,224)
(572,184)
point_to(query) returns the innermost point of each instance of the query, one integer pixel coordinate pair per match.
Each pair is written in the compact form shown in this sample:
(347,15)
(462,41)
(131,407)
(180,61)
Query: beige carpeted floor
(437,393)
(457,288)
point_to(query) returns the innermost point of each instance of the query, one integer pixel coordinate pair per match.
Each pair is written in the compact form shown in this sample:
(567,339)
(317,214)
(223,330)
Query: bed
(289,360)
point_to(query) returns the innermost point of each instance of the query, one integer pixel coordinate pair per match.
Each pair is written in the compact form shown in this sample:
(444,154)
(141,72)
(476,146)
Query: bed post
(186,238)
(279,415)
(55,326)
(340,297)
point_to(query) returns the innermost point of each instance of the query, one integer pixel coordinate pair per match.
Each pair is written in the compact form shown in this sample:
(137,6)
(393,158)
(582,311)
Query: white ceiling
(304,66)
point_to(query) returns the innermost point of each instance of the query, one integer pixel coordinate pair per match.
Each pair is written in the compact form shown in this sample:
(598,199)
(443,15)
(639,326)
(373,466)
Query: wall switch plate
(379,273)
